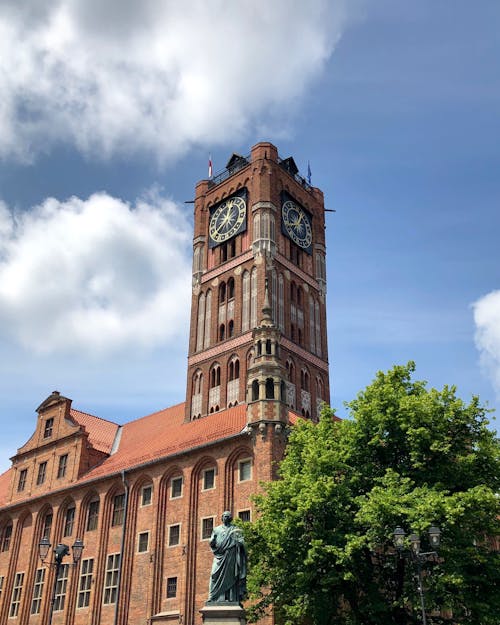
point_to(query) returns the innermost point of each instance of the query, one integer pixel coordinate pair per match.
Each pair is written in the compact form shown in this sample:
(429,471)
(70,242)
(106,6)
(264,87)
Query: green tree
(321,550)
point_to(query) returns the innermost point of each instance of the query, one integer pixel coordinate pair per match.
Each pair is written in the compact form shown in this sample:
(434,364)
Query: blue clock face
(227,220)
(297,224)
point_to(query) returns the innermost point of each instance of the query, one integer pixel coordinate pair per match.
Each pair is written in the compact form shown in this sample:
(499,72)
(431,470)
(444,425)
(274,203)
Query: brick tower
(258,317)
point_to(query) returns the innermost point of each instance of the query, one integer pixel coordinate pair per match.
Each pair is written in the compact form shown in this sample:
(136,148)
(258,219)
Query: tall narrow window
(253,298)
(118,510)
(36,600)
(312,331)
(201,322)
(63,463)
(69,521)
(61,586)
(49,426)
(174,535)
(208,318)
(176,484)
(318,329)
(6,537)
(93,515)
(47,525)
(111,579)
(171,587)
(245,297)
(146,495)
(281,303)
(85,584)
(21,485)
(17,592)
(274,295)
(42,470)
(207,526)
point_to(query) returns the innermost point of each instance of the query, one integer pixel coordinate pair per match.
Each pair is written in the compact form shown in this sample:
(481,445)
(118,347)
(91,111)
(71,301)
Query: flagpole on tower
(210,172)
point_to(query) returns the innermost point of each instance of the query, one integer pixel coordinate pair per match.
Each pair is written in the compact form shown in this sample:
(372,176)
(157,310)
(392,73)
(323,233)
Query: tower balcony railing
(285,163)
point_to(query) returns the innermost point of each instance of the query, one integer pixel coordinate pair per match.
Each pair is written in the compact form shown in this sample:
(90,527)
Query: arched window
(304,380)
(290,371)
(255,390)
(208,318)
(230,329)
(245,303)
(253,298)
(233,387)
(312,331)
(201,322)
(230,288)
(318,328)
(269,388)
(222,332)
(222,292)
(215,376)
(274,295)
(281,303)
(197,382)
(268,346)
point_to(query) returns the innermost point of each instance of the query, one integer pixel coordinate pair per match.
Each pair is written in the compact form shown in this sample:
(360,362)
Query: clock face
(297,224)
(227,220)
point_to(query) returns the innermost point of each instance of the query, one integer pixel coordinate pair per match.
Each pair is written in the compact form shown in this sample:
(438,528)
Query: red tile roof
(101,432)
(165,433)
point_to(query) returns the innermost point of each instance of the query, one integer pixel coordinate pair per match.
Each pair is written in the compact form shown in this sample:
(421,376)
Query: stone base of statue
(223,613)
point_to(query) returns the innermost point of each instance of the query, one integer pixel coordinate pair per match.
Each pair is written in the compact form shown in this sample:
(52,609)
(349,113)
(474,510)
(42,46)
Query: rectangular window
(147,495)
(143,542)
(85,583)
(244,515)
(6,536)
(244,470)
(61,585)
(69,521)
(174,535)
(21,485)
(63,463)
(36,602)
(176,487)
(171,587)
(49,426)
(42,470)
(93,515)
(17,592)
(47,525)
(118,509)
(208,479)
(111,579)
(207,526)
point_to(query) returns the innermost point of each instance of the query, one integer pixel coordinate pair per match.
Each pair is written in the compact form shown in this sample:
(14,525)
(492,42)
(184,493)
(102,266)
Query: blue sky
(107,117)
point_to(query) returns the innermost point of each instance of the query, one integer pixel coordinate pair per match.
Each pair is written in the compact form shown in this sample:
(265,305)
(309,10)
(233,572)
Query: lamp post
(417,556)
(60,551)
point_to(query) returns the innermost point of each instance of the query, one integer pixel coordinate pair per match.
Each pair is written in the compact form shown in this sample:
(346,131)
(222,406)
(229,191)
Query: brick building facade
(143,497)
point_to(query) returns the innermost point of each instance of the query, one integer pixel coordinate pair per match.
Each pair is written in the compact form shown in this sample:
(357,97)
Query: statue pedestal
(223,614)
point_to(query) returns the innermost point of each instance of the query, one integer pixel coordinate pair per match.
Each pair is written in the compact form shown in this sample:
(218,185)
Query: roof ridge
(88,414)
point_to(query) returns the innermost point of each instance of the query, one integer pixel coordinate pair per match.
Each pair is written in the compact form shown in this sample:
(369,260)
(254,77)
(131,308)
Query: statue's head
(227,517)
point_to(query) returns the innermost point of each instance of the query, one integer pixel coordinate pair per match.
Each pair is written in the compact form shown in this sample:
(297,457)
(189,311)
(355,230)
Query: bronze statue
(229,568)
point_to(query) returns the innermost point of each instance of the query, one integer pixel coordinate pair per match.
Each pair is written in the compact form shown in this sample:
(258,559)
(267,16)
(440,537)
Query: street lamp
(60,551)
(417,556)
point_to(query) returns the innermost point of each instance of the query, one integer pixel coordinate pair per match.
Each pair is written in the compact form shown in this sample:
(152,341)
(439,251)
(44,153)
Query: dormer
(65,444)
(236,162)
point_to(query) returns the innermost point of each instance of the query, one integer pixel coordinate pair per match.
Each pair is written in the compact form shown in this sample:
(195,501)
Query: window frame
(69,521)
(61,588)
(48,427)
(205,535)
(42,473)
(36,599)
(242,462)
(17,594)
(168,585)
(147,487)
(21,483)
(110,585)
(92,515)
(118,514)
(63,465)
(207,471)
(176,480)
(140,536)
(170,529)
(85,583)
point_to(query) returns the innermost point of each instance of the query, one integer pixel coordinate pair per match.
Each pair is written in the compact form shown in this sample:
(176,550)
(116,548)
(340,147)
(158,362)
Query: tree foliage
(321,550)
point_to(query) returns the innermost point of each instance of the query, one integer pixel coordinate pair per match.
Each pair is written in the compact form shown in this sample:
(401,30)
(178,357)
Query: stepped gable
(101,432)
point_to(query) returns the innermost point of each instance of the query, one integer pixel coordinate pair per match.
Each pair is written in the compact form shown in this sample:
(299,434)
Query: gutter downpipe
(122,547)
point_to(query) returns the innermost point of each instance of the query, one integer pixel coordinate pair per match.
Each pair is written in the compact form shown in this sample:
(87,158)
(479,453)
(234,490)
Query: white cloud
(154,75)
(94,275)
(487,320)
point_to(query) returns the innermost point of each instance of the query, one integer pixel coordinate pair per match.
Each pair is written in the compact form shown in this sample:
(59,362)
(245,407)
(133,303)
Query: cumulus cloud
(154,75)
(94,275)
(487,320)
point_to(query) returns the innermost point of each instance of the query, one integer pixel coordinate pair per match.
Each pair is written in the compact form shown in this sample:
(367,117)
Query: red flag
(209,165)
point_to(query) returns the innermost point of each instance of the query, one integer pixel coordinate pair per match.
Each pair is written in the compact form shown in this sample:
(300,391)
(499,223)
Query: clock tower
(258,314)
